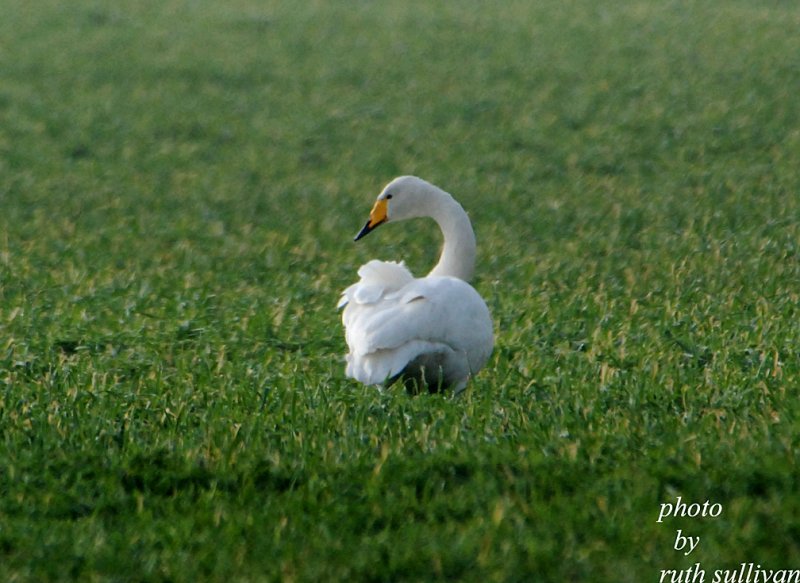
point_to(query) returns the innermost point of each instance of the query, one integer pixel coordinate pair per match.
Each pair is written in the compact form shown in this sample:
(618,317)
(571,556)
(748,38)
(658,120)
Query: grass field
(180,183)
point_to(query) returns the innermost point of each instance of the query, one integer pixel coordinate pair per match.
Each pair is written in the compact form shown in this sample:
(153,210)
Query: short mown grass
(180,183)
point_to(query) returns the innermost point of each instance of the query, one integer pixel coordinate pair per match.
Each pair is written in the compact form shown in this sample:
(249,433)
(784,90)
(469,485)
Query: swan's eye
(388,197)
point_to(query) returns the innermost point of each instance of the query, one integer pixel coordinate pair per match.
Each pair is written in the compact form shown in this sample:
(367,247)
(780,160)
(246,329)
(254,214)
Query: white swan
(433,331)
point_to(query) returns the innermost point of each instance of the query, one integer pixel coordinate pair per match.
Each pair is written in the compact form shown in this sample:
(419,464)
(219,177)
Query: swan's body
(434,331)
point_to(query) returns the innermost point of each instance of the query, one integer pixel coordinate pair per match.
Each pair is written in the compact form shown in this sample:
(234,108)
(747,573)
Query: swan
(434,332)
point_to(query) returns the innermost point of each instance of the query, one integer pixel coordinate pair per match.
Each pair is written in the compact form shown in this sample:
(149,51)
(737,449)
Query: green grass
(180,183)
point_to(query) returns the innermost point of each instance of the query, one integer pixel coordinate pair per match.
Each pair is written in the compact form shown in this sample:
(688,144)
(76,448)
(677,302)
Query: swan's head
(405,197)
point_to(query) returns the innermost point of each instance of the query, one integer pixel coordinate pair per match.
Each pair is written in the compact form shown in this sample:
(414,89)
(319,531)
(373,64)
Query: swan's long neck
(458,253)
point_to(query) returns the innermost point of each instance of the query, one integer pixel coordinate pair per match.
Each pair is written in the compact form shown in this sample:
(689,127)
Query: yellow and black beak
(377,216)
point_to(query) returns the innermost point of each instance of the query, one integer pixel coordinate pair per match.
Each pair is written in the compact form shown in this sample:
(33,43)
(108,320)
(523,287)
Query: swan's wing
(433,314)
(444,310)
(378,279)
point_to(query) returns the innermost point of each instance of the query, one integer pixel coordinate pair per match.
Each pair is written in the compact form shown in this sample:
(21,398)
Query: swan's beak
(377,216)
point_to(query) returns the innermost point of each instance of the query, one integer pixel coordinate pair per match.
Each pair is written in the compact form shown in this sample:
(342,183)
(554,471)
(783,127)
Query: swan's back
(435,329)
